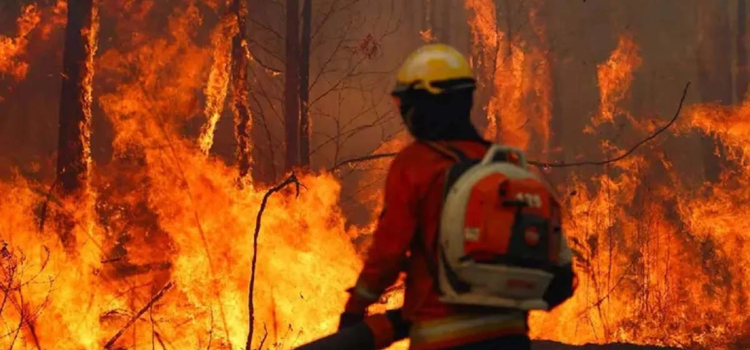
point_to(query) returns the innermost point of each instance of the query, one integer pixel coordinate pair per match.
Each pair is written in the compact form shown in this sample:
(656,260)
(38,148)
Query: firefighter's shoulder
(413,154)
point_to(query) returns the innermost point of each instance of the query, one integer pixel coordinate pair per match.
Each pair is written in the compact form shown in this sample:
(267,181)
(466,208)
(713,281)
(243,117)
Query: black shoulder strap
(447,151)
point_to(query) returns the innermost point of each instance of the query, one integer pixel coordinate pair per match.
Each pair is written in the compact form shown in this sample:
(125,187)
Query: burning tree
(714,71)
(74,153)
(162,258)
(240,108)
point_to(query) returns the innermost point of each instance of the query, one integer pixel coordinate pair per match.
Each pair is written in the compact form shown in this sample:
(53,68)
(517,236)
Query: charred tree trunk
(742,69)
(714,73)
(74,128)
(409,15)
(240,107)
(445,24)
(425,15)
(557,126)
(433,14)
(304,84)
(74,150)
(291,86)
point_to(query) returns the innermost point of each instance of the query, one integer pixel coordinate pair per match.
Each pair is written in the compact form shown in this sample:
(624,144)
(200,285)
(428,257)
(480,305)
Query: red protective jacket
(413,201)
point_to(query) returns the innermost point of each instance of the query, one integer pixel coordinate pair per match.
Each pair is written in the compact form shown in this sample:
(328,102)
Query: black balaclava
(445,116)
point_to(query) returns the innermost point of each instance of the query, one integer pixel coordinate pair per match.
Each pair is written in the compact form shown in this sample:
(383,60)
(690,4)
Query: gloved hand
(400,326)
(349,319)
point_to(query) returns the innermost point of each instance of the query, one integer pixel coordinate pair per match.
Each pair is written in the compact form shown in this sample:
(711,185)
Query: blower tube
(374,332)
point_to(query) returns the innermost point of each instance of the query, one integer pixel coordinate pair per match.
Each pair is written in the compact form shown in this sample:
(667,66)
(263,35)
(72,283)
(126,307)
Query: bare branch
(560,164)
(138,315)
(265,335)
(363,159)
(268,28)
(257,60)
(292,179)
(628,152)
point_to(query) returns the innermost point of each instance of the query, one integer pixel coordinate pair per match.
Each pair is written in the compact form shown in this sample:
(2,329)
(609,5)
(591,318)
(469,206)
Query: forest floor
(548,345)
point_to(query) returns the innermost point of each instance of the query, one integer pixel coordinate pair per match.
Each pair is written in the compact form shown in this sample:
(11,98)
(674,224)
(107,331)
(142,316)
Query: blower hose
(374,332)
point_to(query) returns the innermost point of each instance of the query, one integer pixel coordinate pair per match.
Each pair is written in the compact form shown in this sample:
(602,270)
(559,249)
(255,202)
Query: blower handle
(501,153)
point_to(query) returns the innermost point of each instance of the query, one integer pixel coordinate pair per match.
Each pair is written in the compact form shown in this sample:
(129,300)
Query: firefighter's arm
(565,281)
(395,228)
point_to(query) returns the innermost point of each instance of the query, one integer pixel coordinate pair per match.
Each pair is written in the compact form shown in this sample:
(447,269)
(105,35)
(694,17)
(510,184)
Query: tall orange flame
(56,18)
(13,47)
(515,74)
(165,213)
(218,79)
(614,77)
(91,35)
(660,262)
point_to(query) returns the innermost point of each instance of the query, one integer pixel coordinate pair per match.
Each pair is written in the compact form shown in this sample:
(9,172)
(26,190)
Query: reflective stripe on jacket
(458,330)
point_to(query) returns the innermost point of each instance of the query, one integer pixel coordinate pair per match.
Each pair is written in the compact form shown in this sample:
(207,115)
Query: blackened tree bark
(240,107)
(425,16)
(557,126)
(433,15)
(444,33)
(714,72)
(291,86)
(74,151)
(741,79)
(410,15)
(304,84)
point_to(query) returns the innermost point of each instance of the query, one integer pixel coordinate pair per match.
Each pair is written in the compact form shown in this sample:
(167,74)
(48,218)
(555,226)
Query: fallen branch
(556,164)
(251,307)
(140,313)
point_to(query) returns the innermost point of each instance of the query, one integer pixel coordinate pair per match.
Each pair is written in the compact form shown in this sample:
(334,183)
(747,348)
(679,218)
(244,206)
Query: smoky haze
(156,61)
(351,74)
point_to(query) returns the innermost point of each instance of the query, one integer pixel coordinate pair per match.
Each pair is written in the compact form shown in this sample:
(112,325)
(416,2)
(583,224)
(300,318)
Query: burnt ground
(548,345)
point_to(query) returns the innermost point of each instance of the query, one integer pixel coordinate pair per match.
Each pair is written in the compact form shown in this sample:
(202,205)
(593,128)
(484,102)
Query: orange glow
(164,212)
(56,18)
(218,79)
(427,35)
(614,77)
(371,185)
(91,41)
(515,75)
(11,48)
(660,261)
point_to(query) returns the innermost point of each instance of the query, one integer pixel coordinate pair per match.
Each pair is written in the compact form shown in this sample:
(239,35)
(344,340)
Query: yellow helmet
(436,69)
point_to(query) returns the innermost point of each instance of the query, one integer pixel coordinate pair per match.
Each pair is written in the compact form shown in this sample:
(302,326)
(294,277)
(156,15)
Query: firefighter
(434,94)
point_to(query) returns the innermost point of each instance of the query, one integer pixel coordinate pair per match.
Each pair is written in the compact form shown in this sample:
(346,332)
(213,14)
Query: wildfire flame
(13,47)
(160,254)
(660,262)
(166,214)
(516,74)
(218,79)
(614,77)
